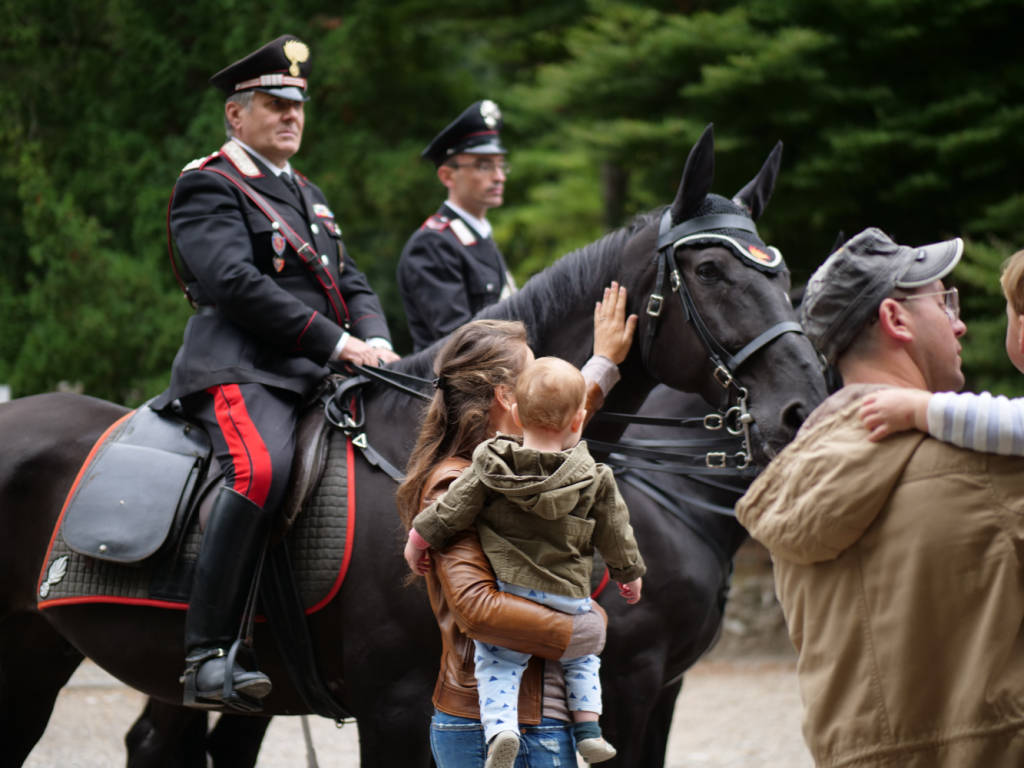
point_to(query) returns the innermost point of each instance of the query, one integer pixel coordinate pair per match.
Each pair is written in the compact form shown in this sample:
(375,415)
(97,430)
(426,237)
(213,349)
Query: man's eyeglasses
(483,166)
(950,301)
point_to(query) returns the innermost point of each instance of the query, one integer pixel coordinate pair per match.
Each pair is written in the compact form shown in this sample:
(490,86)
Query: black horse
(681,512)
(373,640)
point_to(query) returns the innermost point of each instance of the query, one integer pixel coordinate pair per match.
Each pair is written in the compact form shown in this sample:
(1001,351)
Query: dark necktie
(294,186)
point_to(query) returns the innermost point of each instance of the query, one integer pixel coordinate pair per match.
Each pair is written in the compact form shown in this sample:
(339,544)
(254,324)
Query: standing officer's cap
(279,68)
(476,132)
(845,292)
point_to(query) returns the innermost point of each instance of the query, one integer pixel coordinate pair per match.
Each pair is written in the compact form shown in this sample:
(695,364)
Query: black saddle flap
(125,500)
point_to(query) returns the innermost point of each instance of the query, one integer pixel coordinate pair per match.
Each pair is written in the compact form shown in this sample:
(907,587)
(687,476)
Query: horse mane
(542,300)
(576,276)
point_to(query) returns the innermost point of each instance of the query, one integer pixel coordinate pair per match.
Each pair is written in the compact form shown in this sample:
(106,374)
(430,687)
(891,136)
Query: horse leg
(631,684)
(167,736)
(35,663)
(397,733)
(659,724)
(236,739)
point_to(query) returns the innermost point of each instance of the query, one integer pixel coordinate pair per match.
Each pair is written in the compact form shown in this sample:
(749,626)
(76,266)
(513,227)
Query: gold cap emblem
(297,52)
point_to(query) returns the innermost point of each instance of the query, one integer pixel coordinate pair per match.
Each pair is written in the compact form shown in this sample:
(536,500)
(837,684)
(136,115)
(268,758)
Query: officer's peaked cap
(280,68)
(477,131)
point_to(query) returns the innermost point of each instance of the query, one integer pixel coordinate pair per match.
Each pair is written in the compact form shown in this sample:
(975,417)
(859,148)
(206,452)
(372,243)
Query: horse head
(732,336)
(718,320)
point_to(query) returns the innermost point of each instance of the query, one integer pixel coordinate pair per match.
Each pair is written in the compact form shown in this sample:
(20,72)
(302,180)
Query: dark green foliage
(904,115)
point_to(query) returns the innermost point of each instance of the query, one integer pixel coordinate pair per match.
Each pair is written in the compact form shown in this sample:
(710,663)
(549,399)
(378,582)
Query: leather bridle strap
(762,340)
(725,364)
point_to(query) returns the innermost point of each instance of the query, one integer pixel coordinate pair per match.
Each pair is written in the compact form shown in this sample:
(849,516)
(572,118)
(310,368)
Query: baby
(540,507)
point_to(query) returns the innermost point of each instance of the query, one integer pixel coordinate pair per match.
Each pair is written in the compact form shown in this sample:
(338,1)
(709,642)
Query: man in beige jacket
(899,563)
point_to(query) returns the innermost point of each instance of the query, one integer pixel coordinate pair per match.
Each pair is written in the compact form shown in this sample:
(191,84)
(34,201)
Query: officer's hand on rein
(358,351)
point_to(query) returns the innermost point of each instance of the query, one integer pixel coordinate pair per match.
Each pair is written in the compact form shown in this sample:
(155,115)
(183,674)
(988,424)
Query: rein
(719,456)
(725,364)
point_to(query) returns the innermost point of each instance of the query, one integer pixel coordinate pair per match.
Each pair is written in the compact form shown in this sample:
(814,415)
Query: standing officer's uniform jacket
(262,315)
(448,273)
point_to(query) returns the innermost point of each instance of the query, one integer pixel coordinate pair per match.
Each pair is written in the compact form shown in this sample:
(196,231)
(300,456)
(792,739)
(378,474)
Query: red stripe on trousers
(249,454)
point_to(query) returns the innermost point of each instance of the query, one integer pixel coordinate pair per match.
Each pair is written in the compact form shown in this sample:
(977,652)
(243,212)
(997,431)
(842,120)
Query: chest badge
(278,243)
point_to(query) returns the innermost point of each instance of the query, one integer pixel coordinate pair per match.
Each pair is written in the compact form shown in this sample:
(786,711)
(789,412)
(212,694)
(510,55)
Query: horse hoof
(503,750)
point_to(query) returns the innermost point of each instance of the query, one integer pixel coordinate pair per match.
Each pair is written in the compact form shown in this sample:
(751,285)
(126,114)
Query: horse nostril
(793,415)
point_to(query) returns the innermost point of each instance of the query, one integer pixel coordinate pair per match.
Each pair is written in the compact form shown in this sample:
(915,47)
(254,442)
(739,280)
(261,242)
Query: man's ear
(1020,333)
(445,174)
(231,112)
(892,319)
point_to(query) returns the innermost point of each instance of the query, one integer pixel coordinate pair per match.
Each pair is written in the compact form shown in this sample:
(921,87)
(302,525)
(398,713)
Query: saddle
(131,527)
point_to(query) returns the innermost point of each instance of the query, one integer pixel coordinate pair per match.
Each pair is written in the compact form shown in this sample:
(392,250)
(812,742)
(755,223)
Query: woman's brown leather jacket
(466,601)
(462,572)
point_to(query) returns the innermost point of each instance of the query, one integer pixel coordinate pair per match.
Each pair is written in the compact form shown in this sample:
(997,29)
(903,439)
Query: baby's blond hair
(1012,280)
(549,392)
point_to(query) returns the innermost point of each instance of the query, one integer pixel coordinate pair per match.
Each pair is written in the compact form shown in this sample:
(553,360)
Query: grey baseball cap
(845,291)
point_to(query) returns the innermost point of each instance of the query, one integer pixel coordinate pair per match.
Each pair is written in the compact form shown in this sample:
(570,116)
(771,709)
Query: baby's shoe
(595,750)
(503,750)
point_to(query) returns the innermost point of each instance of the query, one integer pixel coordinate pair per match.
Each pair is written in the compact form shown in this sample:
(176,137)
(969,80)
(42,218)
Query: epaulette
(459,228)
(199,162)
(437,222)
(238,157)
(463,232)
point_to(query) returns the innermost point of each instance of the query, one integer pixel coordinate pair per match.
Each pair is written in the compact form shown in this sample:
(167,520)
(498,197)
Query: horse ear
(755,195)
(697,176)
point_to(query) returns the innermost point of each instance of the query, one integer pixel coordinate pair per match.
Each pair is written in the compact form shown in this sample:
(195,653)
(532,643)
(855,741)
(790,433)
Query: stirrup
(231,699)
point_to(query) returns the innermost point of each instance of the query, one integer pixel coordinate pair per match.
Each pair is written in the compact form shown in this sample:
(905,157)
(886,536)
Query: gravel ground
(739,707)
(731,713)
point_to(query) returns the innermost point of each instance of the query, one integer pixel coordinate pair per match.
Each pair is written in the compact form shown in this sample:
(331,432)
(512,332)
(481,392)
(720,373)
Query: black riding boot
(228,556)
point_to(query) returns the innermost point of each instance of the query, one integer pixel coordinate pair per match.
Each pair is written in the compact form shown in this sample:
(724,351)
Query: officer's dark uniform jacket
(263,316)
(447,273)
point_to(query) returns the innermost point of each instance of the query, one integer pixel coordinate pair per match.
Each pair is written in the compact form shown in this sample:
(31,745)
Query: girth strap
(289,625)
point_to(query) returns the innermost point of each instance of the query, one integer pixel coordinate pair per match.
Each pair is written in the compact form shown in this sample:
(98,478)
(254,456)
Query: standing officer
(450,268)
(277,300)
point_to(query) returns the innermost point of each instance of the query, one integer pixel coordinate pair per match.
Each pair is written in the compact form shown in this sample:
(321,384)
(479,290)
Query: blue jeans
(458,742)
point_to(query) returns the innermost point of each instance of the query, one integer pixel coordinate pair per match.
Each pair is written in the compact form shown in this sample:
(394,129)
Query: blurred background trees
(902,114)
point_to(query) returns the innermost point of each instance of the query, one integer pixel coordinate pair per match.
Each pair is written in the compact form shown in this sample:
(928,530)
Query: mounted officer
(277,301)
(451,268)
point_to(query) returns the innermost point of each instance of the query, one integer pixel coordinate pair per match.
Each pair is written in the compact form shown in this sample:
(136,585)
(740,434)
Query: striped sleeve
(979,422)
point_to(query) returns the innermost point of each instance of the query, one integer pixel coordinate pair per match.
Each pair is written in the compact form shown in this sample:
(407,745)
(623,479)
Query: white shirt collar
(273,168)
(482,226)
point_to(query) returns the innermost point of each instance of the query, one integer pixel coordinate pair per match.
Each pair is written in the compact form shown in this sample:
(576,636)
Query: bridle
(729,454)
(736,418)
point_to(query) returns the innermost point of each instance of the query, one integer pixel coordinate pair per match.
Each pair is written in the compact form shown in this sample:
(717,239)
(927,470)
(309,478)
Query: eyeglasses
(483,166)
(950,301)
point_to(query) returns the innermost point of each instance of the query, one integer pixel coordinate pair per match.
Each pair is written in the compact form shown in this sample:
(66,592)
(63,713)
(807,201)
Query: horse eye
(708,272)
